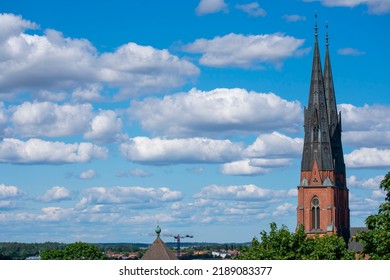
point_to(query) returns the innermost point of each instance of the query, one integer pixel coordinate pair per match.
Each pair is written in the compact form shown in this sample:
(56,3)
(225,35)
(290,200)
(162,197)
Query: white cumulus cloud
(12,25)
(240,192)
(210,7)
(9,197)
(56,194)
(284,209)
(253,166)
(293,18)
(48,119)
(366,126)
(350,51)
(242,167)
(181,150)
(37,119)
(136,196)
(368,158)
(55,214)
(368,117)
(104,127)
(88,174)
(368,139)
(88,93)
(370,183)
(35,63)
(37,151)
(253,9)
(138,172)
(143,68)
(374,6)
(9,192)
(275,145)
(220,111)
(238,50)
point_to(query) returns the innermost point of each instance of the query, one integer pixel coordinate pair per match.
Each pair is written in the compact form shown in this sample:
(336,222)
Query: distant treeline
(21,251)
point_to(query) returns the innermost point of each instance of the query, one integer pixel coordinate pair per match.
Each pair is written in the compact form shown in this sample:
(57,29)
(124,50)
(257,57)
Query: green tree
(20,251)
(328,247)
(82,251)
(281,244)
(278,244)
(74,251)
(376,240)
(52,254)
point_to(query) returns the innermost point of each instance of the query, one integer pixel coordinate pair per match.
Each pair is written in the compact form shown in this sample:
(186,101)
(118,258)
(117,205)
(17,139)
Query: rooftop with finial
(158,230)
(315,25)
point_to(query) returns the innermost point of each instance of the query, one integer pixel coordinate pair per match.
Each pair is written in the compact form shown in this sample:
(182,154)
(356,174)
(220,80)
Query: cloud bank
(37,151)
(52,62)
(374,6)
(210,7)
(220,111)
(246,51)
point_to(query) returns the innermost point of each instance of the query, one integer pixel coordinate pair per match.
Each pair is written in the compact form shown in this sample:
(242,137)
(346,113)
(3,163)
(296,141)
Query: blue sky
(116,115)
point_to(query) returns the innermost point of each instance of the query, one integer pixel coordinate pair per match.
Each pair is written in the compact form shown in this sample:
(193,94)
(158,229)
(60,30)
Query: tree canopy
(74,251)
(281,244)
(376,240)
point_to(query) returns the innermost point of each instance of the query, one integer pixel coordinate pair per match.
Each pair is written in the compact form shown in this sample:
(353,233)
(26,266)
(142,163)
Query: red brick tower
(323,193)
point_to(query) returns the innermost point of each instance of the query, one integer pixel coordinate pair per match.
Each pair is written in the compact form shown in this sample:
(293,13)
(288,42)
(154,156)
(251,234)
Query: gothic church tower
(322,193)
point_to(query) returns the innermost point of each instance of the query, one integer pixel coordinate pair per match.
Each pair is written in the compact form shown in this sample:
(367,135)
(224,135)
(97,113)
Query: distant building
(224,254)
(218,254)
(159,250)
(323,196)
(33,258)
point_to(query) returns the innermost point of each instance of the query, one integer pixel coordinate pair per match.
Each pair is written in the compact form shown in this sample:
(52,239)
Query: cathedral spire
(322,193)
(334,119)
(317,148)
(329,88)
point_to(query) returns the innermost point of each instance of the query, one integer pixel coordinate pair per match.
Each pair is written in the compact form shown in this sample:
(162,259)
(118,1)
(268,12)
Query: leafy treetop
(281,244)
(376,239)
(74,251)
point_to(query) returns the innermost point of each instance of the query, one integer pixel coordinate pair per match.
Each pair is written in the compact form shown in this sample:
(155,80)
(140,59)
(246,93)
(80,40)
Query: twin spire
(322,193)
(322,148)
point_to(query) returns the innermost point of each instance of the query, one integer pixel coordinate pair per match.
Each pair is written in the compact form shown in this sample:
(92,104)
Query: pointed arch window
(315,213)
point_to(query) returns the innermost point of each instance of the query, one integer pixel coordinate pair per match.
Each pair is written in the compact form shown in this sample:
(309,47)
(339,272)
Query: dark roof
(159,251)
(353,244)
(355,230)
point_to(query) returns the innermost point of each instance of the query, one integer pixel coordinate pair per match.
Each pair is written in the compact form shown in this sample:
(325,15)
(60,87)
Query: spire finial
(315,25)
(327,36)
